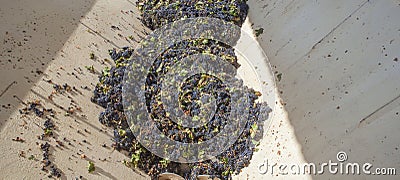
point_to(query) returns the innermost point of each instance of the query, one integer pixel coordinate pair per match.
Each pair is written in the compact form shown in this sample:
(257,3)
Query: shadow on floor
(31,35)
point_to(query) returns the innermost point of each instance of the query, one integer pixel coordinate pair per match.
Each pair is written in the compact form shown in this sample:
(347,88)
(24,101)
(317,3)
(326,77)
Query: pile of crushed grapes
(108,94)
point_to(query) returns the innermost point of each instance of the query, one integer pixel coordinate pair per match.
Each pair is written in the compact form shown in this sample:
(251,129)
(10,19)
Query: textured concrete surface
(340,81)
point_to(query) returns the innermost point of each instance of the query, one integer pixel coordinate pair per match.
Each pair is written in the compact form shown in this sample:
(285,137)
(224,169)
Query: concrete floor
(339,89)
(340,81)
